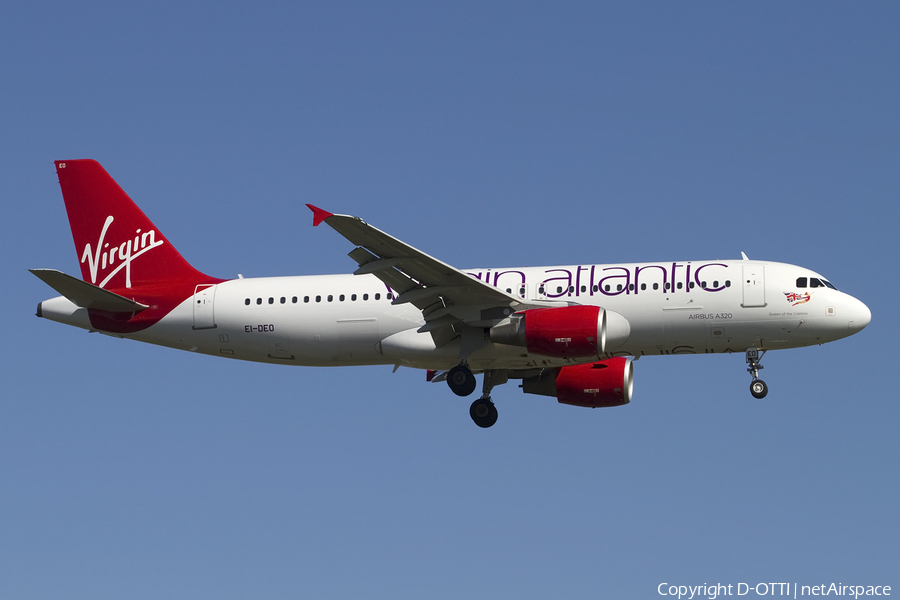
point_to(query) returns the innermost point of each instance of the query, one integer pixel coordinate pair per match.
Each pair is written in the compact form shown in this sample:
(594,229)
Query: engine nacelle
(565,332)
(605,383)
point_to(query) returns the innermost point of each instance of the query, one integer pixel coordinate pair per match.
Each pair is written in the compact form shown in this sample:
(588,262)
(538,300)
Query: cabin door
(754,283)
(204,318)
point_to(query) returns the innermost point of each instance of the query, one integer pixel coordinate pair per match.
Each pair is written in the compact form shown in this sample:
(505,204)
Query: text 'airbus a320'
(565,331)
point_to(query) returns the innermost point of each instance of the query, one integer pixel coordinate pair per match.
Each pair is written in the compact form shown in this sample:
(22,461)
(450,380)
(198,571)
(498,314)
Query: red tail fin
(117,245)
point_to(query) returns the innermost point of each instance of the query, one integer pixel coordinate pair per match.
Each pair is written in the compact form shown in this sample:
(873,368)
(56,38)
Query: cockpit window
(815,283)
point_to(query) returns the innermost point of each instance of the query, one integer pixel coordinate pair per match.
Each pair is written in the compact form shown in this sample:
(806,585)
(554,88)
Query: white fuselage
(671,308)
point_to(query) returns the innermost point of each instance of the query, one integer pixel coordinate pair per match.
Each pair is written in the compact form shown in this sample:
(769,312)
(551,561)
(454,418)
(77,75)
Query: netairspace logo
(793,590)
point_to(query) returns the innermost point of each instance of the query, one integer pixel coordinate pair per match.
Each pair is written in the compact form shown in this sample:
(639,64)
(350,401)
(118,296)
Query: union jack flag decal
(795,298)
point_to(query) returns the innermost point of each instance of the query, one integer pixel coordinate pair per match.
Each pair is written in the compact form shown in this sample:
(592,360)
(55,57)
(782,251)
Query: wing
(447,297)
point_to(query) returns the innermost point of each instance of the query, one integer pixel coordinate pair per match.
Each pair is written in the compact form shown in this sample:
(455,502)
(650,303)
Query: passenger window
(259,300)
(801,282)
(630,287)
(596,288)
(571,288)
(583,289)
(541,289)
(330,298)
(294,300)
(703,284)
(271,300)
(353,297)
(341,298)
(691,285)
(378,296)
(715,284)
(318,298)
(305,299)
(283,300)
(655,286)
(643,286)
(509,290)
(365,296)
(667,286)
(680,285)
(606,287)
(619,287)
(389,295)
(727,283)
(559,289)
(247,301)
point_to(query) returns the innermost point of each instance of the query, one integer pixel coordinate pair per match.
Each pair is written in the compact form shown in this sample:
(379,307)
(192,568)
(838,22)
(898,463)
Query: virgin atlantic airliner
(570,331)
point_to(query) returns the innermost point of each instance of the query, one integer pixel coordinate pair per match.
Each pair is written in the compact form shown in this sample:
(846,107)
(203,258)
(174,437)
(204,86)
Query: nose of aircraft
(860,315)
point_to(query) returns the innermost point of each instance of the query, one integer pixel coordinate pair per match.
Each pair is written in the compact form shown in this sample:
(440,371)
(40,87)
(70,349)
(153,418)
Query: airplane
(570,332)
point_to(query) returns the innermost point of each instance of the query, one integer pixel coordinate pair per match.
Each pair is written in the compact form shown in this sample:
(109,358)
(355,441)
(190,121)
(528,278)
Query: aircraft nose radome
(860,315)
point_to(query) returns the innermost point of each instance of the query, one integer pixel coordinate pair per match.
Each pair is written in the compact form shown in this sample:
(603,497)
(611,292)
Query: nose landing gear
(758,387)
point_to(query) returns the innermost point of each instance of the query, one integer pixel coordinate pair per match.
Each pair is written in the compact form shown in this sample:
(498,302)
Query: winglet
(319,215)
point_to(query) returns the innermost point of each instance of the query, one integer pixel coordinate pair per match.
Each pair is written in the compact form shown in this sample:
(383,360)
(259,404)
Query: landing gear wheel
(759,389)
(461,380)
(483,412)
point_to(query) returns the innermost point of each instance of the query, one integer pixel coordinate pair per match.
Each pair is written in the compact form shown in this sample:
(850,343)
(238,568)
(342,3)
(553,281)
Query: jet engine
(565,332)
(605,383)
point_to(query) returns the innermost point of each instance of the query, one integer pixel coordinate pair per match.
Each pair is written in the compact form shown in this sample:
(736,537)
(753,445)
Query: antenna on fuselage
(744,256)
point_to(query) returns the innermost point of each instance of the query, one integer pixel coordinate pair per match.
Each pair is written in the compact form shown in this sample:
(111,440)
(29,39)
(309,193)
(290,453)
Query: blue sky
(486,134)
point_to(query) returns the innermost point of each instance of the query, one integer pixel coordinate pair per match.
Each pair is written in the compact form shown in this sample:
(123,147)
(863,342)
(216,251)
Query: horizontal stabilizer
(86,295)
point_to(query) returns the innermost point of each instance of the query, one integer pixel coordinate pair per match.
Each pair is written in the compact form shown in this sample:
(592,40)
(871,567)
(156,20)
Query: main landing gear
(483,412)
(758,387)
(462,382)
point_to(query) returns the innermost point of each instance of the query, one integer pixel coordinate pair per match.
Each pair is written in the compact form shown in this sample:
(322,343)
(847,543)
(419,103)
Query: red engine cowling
(564,332)
(604,383)
(569,331)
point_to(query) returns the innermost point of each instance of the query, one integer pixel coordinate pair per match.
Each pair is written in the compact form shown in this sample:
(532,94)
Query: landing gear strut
(758,387)
(483,411)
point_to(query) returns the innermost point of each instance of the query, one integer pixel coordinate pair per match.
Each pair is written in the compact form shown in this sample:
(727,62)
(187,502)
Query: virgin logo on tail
(103,256)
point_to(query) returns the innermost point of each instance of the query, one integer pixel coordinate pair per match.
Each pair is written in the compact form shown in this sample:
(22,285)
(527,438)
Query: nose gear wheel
(759,389)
